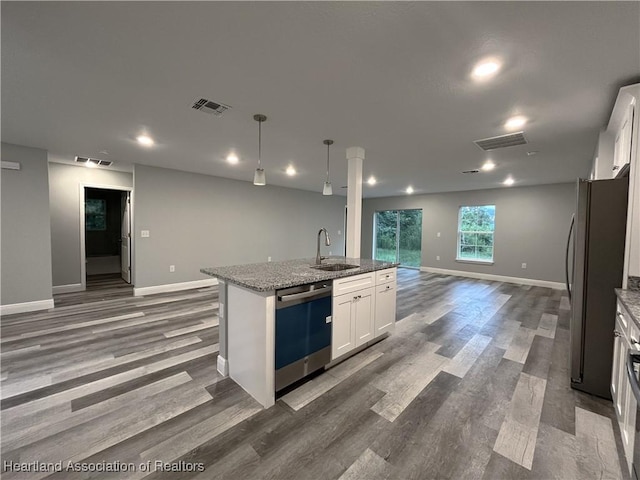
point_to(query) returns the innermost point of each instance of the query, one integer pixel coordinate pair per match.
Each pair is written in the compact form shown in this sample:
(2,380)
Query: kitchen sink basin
(334,267)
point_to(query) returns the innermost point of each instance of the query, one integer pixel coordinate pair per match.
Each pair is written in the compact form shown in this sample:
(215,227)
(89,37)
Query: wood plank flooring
(473,384)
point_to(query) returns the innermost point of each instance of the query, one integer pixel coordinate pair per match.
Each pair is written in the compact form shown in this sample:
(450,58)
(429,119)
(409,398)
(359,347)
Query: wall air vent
(471,171)
(503,141)
(210,107)
(94,161)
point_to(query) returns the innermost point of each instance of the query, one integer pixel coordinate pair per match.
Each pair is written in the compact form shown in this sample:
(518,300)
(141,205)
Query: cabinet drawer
(385,276)
(345,285)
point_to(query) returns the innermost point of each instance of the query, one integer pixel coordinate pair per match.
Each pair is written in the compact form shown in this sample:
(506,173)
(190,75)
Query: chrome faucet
(327,242)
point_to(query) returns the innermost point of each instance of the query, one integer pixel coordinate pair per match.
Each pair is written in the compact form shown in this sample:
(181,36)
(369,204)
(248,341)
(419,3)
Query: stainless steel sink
(334,267)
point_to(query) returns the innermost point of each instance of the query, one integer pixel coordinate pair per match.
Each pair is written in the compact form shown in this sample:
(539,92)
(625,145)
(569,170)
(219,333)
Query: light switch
(144,233)
(438,234)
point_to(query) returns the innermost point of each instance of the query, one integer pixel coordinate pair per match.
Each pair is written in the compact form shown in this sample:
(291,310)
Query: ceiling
(79,78)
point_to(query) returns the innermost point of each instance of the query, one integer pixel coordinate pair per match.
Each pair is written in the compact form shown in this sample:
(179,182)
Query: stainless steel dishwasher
(303,331)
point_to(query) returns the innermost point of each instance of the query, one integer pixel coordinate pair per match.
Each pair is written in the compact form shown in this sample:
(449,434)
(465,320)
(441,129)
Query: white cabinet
(627,335)
(352,319)
(364,307)
(622,142)
(385,311)
(343,335)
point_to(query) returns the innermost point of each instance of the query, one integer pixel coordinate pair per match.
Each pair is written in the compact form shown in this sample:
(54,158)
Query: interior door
(125,244)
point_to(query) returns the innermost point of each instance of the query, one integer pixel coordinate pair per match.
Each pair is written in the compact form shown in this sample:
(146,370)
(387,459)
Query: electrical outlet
(524,265)
(329,252)
(438,257)
(172,268)
(438,234)
(268,259)
(339,232)
(144,233)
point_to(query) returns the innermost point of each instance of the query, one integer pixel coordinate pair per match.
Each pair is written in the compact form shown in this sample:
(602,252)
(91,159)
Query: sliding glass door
(398,236)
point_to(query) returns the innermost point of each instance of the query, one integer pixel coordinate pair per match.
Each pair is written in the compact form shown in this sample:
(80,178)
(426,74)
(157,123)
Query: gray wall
(65,181)
(199,221)
(531,227)
(26,233)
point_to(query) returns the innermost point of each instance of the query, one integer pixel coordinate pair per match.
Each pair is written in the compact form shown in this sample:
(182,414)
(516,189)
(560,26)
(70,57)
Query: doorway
(398,237)
(106,237)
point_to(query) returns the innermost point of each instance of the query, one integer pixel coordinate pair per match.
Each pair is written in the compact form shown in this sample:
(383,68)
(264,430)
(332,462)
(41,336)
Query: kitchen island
(362,309)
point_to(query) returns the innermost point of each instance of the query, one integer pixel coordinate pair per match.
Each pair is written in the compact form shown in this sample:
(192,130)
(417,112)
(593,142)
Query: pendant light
(259,177)
(327,190)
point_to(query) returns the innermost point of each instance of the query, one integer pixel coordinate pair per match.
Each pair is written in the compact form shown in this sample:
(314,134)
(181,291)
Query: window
(476,225)
(95,214)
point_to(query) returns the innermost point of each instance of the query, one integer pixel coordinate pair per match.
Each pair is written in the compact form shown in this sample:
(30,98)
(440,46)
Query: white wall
(64,194)
(197,221)
(532,224)
(26,234)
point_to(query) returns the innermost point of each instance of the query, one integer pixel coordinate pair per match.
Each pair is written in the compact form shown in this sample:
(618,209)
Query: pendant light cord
(328,162)
(259,143)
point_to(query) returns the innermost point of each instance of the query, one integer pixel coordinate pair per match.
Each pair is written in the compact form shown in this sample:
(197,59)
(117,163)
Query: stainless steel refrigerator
(596,246)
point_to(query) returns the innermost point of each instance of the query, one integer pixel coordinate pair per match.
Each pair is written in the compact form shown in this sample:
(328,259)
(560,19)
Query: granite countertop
(631,301)
(264,277)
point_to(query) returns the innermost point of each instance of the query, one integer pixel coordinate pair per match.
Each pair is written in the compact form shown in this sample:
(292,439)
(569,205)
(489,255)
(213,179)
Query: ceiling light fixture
(232,158)
(508,182)
(485,69)
(488,166)
(259,178)
(515,122)
(327,189)
(291,171)
(372,180)
(145,140)
(409,190)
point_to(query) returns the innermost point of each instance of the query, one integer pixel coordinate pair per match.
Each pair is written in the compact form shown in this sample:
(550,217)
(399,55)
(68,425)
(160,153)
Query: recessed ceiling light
(488,166)
(515,122)
(145,140)
(232,158)
(486,69)
(372,180)
(291,171)
(509,181)
(409,190)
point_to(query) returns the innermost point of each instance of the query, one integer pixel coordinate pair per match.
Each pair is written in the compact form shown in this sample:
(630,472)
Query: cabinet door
(385,313)
(342,331)
(622,146)
(363,303)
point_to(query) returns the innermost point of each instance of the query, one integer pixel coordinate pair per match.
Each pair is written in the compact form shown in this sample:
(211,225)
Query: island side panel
(251,342)
(223,355)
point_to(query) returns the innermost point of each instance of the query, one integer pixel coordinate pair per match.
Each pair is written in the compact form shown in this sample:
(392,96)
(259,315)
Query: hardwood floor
(474,383)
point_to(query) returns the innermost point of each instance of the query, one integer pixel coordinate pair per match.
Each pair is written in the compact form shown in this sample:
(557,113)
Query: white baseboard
(223,366)
(26,307)
(497,278)
(70,288)
(174,287)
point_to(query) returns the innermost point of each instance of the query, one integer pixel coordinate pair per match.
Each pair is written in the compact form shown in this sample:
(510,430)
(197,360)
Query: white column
(355,156)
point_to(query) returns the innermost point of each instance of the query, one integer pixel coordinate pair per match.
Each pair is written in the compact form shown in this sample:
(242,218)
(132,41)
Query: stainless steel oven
(633,372)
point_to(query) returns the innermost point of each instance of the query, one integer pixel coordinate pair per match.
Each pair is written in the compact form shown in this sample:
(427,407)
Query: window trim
(459,259)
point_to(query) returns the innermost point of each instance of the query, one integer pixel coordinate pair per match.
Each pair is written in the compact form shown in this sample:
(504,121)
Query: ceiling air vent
(95,161)
(207,106)
(503,141)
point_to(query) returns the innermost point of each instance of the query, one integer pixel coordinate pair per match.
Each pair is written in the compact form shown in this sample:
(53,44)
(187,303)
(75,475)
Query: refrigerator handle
(566,258)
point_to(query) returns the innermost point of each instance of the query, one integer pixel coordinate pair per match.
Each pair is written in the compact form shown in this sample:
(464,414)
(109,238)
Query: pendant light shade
(259,177)
(327,189)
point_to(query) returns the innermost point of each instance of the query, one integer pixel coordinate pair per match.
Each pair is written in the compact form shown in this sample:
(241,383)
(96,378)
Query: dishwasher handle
(298,296)
(631,373)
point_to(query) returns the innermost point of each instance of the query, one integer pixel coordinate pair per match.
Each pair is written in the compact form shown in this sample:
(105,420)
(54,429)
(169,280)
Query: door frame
(83,253)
